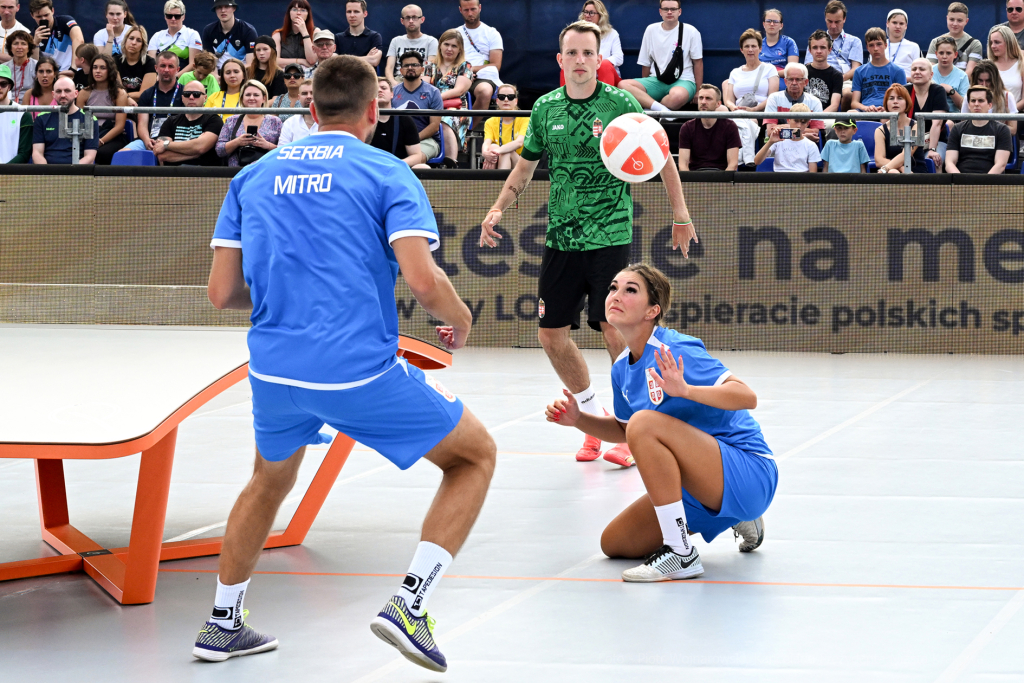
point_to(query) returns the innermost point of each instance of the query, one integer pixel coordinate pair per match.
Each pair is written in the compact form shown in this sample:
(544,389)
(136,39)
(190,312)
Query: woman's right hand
(565,412)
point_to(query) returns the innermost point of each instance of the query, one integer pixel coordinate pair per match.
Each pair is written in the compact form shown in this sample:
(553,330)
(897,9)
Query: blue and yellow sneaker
(216,644)
(412,635)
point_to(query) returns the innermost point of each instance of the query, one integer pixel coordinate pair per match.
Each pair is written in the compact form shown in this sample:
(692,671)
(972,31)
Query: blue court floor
(893,548)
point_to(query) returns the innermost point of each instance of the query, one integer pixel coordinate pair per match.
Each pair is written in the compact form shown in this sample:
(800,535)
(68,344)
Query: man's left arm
(698,71)
(682,226)
(431,129)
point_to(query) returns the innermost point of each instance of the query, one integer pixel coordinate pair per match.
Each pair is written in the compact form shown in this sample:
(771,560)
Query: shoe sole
(588,457)
(760,540)
(621,462)
(396,637)
(212,656)
(682,574)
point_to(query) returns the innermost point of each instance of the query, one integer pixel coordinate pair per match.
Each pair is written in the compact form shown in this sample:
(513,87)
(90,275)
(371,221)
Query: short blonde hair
(174,4)
(801,107)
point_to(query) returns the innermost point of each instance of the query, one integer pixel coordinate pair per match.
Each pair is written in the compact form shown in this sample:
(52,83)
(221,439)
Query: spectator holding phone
(789,145)
(57,35)
(245,139)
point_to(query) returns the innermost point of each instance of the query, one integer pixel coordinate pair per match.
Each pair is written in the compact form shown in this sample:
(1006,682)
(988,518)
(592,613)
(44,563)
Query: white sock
(227,606)
(658,106)
(672,518)
(428,566)
(589,402)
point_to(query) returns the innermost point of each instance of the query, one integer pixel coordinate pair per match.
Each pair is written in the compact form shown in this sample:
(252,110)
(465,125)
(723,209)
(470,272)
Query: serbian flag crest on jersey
(653,390)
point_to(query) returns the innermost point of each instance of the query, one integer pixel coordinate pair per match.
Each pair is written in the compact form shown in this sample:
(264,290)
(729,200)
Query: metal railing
(907,137)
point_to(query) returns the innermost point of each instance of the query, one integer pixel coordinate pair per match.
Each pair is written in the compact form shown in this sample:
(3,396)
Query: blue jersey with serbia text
(315,220)
(634,390)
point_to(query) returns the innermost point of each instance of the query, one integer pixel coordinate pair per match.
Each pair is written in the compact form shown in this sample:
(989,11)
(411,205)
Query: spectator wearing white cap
(324,47)
(900,51)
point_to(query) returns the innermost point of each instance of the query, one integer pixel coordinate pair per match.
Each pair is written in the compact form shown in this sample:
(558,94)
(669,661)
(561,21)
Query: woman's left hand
(263,143)
(671,378)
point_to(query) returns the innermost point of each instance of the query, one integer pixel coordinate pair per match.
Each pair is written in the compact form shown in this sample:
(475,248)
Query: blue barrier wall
(530,27)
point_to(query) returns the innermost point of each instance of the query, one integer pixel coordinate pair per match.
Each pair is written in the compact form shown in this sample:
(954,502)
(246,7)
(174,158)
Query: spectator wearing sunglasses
(1015,20)
(294,75)
(299,126)
(189,139)
(183,41)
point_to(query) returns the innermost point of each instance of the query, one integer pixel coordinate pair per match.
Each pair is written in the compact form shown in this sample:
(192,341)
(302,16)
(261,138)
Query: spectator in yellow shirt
(504,135)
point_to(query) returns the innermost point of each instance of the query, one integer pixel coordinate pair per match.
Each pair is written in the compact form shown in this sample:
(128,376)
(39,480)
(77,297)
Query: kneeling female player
(702,457)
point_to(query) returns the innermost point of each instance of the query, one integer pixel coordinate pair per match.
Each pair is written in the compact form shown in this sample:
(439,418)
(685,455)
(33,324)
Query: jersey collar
(334,132)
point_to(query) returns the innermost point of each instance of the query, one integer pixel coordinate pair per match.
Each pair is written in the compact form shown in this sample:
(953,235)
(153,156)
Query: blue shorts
(402,415)
(749,485)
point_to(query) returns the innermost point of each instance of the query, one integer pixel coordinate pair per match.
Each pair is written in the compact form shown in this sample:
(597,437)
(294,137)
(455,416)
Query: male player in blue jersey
(323,346)
(702,457)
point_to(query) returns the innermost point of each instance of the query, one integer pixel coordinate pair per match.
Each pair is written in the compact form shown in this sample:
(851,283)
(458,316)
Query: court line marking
(986,636)
(856,418)
(561,578)
(483,617)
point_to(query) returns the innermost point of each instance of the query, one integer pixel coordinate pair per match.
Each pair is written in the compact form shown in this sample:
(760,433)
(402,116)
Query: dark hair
(581,27)
(129,20)
(835,6)
(15,35)
(37,5)
(764,14)
(113,76)
(343,86)
(37,90)
(363,4)
(874,33)
(980,88)
(286,28)
(86,51)
(679,3)
(659,289)
(709,86)
(946,40)
(410,54)
(819,34)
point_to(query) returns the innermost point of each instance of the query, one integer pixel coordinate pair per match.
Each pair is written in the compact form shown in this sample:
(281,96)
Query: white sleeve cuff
(721,379)
(431,237)
(233,244)
(621,420)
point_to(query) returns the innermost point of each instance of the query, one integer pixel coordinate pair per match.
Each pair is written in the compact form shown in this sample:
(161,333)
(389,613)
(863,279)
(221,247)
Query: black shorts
(568,277)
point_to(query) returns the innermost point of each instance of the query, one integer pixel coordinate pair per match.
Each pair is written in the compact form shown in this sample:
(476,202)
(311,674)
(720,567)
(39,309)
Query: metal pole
(75,144)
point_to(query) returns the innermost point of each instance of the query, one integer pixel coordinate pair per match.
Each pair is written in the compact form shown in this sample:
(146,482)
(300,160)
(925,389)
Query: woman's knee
(642,427)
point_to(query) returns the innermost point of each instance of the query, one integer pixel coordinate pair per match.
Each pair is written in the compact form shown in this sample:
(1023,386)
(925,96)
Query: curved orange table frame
(129,574)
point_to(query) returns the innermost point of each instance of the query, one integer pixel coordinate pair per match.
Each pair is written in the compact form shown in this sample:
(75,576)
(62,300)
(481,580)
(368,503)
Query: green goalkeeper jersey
(588,208)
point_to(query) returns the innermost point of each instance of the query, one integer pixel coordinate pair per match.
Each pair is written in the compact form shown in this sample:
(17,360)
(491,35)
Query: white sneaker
(665,564)
(752,533)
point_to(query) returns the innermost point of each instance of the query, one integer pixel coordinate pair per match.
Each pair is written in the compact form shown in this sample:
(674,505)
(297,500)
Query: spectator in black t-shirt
(133,64)
(396,134)
(84,55)
(928,97)
(358,40)
(189,139)
(264,67)
(824,81)
(978,146)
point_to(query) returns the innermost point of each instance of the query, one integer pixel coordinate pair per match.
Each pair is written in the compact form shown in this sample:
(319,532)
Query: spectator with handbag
(967,49)
(750,85)
(244,139)
(673,50)
(450,73)
(183,41)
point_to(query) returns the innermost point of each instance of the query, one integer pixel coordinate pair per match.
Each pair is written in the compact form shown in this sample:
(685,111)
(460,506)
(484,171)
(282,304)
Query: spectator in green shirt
(204,66)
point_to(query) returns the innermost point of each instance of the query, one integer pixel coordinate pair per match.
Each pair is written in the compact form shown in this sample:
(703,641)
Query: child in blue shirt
(871,80)
(845,155)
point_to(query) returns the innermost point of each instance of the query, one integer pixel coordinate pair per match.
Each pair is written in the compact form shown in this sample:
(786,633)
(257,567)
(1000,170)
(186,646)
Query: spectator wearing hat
(15,127)
(8,25)
(899,50)
(324,47)
(299,126)
(264,67)
(294,75)
(844,154)
(356,40)
(229,37)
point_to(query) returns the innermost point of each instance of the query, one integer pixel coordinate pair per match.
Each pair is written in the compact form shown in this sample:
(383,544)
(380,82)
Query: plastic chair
(866,134)
(129,130)
(1013,155)
(131,157)
(440,155)
(766,166)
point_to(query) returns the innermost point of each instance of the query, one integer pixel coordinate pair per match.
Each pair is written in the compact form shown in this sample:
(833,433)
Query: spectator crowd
(227,64)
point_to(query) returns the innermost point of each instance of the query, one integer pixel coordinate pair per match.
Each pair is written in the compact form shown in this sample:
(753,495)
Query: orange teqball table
(88,393)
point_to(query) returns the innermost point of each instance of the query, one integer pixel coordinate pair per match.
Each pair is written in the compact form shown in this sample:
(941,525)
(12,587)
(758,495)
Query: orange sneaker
(619,454)
(591,449)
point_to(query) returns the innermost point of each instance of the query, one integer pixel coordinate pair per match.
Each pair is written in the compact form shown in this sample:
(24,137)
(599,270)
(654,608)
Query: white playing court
(892,553)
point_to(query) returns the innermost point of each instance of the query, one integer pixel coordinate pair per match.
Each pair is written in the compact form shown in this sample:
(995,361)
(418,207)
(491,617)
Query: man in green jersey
(590,215)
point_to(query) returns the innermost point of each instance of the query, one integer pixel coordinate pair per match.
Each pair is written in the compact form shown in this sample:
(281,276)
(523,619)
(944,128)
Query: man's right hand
(148,142)
(453,338)
(42,35)
(487,231)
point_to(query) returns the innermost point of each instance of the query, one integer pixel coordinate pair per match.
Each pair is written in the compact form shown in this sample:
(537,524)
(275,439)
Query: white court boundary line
(843,425)
(982,639)
(484,617)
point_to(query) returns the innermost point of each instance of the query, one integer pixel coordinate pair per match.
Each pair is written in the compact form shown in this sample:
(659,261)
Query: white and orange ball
(634,148)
